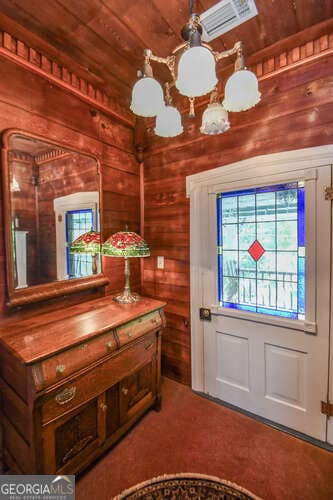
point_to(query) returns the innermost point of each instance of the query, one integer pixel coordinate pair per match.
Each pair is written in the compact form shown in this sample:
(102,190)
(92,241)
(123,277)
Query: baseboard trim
(287,430)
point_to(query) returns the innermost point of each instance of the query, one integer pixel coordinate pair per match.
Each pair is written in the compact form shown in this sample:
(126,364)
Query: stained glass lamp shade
(126,244)
(89,243)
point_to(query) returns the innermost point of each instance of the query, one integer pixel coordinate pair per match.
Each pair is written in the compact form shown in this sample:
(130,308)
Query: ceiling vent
(224,16)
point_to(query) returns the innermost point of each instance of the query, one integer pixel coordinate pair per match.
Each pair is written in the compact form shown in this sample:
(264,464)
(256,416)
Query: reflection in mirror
(54,198)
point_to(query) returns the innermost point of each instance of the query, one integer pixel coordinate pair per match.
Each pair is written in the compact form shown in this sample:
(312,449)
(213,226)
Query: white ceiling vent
(224,16)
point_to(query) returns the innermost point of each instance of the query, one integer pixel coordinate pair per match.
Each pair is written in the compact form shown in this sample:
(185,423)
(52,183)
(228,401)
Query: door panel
(285,376)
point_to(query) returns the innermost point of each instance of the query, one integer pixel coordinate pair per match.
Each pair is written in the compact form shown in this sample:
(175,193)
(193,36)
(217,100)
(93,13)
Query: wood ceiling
(106,38)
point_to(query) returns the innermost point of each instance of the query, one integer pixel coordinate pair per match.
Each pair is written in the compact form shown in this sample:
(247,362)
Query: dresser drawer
(133,329)
(99,379)
(61,365)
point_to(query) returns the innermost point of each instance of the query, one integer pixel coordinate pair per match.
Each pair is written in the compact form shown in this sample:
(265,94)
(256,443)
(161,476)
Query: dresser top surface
(45,334)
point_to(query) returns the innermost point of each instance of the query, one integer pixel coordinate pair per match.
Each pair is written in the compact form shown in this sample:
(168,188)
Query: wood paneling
(31,103)
(105,40)
(295,112)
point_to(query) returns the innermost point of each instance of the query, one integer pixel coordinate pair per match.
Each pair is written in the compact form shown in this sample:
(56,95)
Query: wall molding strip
(20,53)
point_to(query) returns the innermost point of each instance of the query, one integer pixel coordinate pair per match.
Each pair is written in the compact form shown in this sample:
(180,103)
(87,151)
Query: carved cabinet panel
(75,434)
(136,390)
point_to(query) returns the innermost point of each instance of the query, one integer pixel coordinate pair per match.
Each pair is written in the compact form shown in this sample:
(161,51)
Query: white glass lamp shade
(147,97)
(196,72)
(214,120)
(241,91)
(168,122)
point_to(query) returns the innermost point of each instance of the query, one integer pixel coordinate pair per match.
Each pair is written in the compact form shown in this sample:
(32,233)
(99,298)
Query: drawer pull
(109,344)
(154,321)
(60,369)
(124,391)
(149,346)
(83,347)
(129,334)
(66,395)
(103,407)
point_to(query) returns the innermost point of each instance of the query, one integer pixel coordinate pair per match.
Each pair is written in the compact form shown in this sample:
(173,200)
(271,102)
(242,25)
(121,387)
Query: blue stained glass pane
(301,225)
(78,222)
(219,277)
(276,187)
(301,285)
(219,220)
(274,283)
(240,306)
(275,312)
(265,189)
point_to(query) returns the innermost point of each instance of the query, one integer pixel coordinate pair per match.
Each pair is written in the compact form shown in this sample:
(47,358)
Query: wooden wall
(31,103)
(24,210)
(296,112)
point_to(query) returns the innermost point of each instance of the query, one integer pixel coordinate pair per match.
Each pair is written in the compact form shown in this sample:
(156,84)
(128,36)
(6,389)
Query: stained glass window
(77,223)
(261,250)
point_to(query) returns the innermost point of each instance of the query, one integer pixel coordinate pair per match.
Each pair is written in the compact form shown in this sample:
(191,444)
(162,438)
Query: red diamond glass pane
(256,250)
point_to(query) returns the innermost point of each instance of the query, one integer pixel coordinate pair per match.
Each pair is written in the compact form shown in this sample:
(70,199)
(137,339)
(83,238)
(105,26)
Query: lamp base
(127,297)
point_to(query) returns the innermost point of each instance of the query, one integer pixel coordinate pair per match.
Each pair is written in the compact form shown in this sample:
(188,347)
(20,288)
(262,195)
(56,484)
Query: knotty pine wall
(31,103)
(296,112)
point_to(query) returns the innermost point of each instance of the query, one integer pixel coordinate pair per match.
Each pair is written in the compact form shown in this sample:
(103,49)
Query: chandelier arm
(179,47)
(169,61)
(236,49)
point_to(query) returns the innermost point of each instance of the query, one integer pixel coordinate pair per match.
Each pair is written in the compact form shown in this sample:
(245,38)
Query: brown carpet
(192,434)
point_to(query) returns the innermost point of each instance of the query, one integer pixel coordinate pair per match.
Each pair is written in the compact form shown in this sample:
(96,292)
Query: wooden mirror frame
(37,293)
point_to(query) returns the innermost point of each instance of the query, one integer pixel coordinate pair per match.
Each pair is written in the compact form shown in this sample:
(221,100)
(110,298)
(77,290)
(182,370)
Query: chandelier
(195,76)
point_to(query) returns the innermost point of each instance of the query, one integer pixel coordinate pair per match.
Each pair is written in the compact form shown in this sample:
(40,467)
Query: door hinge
(328,190)
(327,408)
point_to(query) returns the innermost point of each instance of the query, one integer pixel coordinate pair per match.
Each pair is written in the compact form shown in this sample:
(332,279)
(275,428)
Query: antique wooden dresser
(74,381)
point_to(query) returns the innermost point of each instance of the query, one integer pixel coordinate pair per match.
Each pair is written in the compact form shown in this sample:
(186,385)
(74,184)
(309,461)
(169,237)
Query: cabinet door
(70,439)
(138,391)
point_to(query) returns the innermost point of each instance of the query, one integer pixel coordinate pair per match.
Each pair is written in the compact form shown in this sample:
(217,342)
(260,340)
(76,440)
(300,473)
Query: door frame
(201,267)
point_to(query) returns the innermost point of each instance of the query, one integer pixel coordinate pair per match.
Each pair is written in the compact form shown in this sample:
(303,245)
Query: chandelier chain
(191,6)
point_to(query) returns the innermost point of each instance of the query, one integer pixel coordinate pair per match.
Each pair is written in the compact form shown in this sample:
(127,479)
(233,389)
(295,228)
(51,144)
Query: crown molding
(17,51)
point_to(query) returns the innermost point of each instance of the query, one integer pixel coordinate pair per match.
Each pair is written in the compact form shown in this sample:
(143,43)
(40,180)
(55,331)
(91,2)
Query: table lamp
(90,243)
(126,244)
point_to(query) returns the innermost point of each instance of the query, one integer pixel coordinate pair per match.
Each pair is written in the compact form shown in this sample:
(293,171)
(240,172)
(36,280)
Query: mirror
(52,196)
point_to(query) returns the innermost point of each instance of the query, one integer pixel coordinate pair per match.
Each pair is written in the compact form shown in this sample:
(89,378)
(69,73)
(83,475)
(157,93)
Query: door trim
(197,188)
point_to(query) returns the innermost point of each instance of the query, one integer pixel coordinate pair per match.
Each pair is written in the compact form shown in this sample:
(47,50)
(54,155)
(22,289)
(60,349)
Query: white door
(261,351)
